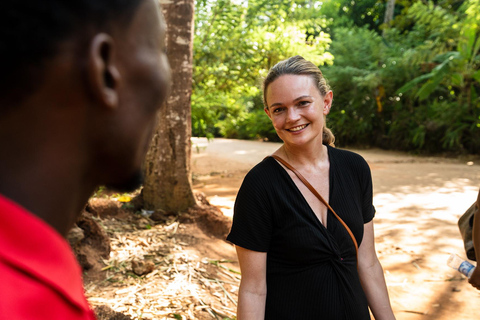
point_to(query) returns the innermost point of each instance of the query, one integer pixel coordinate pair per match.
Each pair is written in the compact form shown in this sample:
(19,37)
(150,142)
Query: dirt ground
(169,267)
(418,202)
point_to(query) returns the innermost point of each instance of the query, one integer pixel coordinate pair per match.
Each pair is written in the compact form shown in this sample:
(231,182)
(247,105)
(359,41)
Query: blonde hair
(297,65)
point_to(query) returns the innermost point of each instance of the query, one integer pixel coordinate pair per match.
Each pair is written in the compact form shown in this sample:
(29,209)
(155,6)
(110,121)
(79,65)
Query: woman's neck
(313,156)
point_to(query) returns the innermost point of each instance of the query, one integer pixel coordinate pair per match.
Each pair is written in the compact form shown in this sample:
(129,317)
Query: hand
(475,278)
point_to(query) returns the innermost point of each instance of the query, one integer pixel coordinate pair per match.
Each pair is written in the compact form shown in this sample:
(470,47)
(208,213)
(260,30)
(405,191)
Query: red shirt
(39,275)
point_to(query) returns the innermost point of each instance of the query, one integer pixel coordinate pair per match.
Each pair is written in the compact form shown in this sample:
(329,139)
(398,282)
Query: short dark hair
(31,31)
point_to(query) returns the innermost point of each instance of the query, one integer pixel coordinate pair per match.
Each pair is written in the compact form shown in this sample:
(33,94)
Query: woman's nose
(292,114)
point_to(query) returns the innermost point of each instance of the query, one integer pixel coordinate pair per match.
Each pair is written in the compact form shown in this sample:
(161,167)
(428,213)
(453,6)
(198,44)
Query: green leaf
(411,84)
(467,44)
(457,79)
(476,75)
(476,50)
(428,88)
(446,56)
(447,59)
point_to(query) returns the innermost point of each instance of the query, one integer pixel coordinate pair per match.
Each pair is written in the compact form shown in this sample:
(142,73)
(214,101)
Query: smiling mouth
(295,129)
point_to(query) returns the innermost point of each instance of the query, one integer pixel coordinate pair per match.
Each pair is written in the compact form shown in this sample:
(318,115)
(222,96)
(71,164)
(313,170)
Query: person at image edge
(80,86)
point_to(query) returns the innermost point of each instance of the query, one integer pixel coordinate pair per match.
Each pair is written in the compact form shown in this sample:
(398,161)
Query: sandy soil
(418,202)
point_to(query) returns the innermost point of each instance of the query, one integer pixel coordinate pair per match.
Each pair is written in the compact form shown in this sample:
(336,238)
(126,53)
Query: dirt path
(418,202)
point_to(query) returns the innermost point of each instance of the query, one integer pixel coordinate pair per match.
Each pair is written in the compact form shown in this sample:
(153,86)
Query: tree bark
(168,183)
(389,11)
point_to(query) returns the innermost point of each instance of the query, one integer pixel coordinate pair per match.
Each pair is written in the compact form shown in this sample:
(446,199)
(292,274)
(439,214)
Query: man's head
(133,98)
(96,65)
(31,32)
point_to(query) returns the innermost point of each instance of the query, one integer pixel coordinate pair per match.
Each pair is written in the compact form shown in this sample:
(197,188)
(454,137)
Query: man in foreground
(80,85)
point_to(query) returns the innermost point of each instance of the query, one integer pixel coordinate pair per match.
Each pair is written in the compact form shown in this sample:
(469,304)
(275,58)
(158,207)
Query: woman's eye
(277,110)
(303,103)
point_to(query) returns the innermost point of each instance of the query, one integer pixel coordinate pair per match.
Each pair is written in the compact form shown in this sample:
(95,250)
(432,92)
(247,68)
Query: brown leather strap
(312,189)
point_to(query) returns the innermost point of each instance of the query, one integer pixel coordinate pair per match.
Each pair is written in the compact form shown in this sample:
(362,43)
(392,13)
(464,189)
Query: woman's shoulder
(346,155)
(265,170)
(349,161)
(266,166)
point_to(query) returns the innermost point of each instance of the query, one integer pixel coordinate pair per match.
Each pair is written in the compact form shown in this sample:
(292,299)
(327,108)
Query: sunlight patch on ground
(423,222)
(225,204)
(444,203)
(242,152)
(416,230)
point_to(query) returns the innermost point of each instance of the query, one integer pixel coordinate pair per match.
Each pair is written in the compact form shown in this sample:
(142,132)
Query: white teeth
(297,128)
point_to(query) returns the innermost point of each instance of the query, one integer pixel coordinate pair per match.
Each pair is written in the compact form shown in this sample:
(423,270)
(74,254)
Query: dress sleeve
(368,210)
(252,218)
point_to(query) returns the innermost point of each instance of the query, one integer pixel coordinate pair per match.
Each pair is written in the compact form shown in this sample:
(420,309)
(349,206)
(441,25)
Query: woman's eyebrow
(295,100)
(302,97)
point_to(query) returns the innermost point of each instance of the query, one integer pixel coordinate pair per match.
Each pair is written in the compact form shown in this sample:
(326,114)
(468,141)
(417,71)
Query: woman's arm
(475,278)
(371,277)
(253,286)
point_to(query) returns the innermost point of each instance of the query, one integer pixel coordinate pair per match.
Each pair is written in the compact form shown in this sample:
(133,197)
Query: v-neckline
(285,170)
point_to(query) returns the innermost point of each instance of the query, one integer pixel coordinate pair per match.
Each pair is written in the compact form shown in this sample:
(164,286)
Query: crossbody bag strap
(312,189)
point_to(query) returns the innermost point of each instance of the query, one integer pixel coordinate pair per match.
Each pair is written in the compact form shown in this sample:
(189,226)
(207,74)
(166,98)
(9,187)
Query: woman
(297,260)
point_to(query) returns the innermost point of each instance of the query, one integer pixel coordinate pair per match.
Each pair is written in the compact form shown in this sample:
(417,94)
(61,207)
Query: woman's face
(297,109)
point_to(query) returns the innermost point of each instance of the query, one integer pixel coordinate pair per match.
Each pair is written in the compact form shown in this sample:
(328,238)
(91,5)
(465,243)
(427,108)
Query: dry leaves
(182,285)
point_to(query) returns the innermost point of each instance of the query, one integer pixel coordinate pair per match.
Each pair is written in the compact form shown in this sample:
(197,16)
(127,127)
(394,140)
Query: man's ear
(103,75)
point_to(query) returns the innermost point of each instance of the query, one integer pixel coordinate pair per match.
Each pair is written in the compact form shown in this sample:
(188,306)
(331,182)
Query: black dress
(311,270)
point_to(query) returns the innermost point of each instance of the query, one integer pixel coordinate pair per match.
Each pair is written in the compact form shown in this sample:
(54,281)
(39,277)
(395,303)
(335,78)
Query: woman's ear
(103,75)
(327,102)
(267,112)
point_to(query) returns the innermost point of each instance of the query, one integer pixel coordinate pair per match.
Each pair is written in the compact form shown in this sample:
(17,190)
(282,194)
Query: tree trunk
(168,183)
(389,11)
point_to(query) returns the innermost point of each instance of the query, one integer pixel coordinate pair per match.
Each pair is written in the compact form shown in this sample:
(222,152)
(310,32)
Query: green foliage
(454,79)
(354,80)
(415,89)
(412,85)
(356,13)
(236,43)
(248,125)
